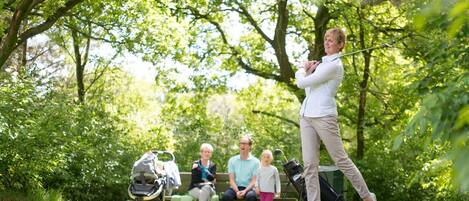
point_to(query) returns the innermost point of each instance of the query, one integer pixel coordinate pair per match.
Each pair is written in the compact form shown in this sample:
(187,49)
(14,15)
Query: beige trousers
(313,130)
(203,194)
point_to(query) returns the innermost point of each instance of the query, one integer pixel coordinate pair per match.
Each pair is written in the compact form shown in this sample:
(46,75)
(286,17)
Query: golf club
(384,45)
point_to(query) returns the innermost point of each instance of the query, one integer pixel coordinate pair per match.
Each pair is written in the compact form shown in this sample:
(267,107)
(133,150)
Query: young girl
(268,180)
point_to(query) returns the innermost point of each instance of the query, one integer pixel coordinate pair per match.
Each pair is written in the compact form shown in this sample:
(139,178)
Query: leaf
(463,118)
(456,26)
(398,141)
(459,9)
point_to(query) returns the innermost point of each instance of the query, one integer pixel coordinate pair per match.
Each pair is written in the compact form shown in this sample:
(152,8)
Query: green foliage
(435,111)
(259,102)
(52,142)
(450,16)
(409,172)
(443,83)
(221,117)
(40,194)
(36,194)
(186,115)
(49,7)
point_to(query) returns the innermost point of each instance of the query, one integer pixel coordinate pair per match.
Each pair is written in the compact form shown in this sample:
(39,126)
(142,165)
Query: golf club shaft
(384,45)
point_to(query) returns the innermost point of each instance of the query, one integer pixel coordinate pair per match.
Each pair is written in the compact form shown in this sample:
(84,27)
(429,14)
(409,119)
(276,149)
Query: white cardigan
(321,87)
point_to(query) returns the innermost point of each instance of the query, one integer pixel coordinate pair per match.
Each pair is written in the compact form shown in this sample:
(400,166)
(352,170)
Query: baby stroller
(149,179)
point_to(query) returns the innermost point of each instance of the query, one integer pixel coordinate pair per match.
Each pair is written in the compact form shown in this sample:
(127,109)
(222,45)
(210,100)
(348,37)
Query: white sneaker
(373,196)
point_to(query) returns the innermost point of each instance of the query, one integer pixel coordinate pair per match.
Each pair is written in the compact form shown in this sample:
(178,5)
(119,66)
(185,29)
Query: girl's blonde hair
(269,154)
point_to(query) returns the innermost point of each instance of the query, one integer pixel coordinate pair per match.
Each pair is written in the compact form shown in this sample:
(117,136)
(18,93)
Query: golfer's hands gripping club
(310,66)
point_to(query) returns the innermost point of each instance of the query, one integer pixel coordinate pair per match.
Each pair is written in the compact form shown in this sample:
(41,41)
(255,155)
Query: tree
(247,55)
(269,30)
(108,23)
(387,26)
(41,14)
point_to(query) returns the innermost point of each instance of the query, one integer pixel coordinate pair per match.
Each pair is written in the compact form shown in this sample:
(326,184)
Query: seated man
(241,170)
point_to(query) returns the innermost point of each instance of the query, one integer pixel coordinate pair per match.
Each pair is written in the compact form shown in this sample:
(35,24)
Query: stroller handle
(158,152)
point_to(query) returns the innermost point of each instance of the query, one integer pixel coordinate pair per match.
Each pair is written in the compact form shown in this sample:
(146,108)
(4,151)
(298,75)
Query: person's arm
(212,172)
(251,184)
(323,73)
(277,183)
(195,174)
(233,183)
(258,189)
(300,73)
(231,176)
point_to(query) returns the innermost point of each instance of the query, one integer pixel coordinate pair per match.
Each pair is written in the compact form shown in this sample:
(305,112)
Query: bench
(331,173)
(222,183)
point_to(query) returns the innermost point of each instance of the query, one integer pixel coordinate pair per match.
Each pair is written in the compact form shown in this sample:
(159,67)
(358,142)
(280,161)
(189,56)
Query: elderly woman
(319,117)
(203,175)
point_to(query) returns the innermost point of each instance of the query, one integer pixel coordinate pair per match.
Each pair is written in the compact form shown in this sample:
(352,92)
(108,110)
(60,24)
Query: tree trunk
(316,50)
(363,92)
(286,71)
(362,107)
(24,53)
(9,43)
(79,67)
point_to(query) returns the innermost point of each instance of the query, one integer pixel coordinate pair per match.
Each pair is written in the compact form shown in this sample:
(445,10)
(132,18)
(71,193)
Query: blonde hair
(338,35)
(206,146)
(269,154)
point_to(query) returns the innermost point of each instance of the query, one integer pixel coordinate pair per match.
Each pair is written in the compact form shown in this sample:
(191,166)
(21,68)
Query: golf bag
(294,172)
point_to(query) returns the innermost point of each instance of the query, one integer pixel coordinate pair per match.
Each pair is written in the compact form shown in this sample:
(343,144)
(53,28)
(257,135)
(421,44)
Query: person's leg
(328,130)
(310,150)
(265,196)
(229,195)
(194,192)
(270,197)
(206,193)
(250,195)
(261,196)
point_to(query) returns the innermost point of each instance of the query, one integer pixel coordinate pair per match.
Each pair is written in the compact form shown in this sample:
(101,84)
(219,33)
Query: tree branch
(276,116)
(12,40)
(309,15)
(236,54)
(49,22)
(88,35)
(9,42)
(254,23)
(87,48)
(96,77)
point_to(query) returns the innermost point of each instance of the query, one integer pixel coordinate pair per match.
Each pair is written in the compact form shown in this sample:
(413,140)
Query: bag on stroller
(148,178)
(294,171)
